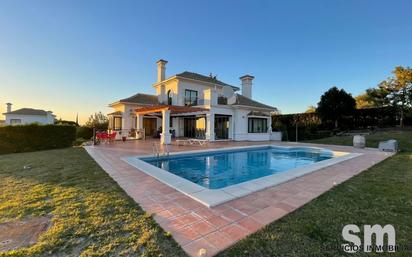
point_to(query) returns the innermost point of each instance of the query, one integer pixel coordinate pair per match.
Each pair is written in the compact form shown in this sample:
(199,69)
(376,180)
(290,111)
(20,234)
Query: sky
(78,56)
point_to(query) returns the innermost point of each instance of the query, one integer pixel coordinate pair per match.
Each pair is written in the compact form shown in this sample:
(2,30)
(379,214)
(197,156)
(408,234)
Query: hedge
(27,138)
(84,132)
(310,125)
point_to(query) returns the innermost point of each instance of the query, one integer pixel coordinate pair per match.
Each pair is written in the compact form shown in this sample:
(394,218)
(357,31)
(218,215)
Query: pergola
(166,111)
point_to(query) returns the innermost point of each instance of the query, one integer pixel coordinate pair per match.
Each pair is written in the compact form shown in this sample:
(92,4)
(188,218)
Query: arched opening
(169,97)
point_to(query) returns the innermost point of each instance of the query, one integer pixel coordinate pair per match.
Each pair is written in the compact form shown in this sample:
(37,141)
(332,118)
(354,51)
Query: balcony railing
(193,102)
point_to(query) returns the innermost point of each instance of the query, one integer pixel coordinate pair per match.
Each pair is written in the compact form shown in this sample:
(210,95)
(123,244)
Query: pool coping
(214,197)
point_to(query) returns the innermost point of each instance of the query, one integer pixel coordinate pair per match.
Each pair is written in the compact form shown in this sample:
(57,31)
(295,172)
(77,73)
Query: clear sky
(78,56)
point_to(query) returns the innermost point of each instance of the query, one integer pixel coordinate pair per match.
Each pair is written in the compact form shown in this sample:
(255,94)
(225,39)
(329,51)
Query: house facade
(192,105)
(28,116)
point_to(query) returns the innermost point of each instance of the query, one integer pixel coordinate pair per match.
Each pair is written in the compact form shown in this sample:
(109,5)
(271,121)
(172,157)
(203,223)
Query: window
(169,97)
(222,100)
(190,97)
(258,125)
(15,121)
(117,123)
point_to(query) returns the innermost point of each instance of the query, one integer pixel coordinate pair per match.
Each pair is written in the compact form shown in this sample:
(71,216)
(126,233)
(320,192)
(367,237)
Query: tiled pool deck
(195,226)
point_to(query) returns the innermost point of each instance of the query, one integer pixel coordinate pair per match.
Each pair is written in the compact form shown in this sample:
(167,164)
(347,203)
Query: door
(149,125)
(190,127)
(221,127)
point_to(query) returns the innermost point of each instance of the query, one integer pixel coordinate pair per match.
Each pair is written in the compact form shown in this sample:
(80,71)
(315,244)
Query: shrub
(33,137)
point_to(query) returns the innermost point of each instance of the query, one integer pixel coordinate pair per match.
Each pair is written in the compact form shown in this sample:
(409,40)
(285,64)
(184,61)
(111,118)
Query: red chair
(102,136)
(112,136)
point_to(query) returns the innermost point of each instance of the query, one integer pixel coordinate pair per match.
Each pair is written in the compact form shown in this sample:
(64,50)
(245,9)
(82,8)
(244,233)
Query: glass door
(221,127)
(190,127)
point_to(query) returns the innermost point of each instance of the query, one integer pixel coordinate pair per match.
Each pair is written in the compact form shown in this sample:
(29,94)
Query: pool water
(219,169)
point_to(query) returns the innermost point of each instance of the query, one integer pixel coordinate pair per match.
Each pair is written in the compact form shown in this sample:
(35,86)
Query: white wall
(205,92)
(241,128)
(28,119)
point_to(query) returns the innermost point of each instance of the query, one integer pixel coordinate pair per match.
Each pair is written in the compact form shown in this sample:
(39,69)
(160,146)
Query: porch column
(139,126)
(139,121)
(166,137)
(270,124)
(210,126)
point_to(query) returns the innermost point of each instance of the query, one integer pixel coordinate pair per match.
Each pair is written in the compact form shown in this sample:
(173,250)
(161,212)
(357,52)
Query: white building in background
(192,105)
(28,116)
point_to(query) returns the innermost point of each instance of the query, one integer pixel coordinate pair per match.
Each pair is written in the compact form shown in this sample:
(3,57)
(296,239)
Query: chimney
(161,70)
(247,85)
(8,107)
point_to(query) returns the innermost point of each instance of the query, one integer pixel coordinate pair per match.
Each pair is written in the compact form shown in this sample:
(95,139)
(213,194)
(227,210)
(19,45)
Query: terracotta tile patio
(195,226)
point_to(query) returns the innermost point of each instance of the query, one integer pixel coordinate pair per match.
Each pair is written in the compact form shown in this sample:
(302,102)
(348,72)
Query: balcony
(194,101)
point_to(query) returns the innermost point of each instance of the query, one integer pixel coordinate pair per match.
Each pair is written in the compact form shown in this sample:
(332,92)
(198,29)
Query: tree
(399,89)
(378,96)
(98,120)
(334,104)
(363,101)
(311,109)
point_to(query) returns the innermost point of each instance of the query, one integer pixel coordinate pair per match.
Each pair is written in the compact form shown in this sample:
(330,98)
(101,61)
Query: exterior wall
(241,128)
(207,94)
(161,92)
(28,119)
(183,85)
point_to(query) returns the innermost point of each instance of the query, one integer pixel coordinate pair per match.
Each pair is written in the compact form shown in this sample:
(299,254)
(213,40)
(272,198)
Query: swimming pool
(215,176)
(220,169)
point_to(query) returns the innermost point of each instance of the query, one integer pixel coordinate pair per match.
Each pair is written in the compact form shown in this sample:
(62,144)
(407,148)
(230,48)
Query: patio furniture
(102,137)
(201,142)
(140,134)
(112,136)
(359,141)
(389,146)
(183,142)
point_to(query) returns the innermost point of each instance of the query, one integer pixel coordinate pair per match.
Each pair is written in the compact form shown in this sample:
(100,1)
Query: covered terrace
(166,111)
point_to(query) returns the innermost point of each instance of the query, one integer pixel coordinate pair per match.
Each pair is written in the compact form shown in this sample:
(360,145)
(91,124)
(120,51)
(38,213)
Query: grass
(91,215)
(380,195)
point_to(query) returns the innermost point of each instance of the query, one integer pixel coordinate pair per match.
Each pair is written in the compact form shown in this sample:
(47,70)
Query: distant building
(28,116)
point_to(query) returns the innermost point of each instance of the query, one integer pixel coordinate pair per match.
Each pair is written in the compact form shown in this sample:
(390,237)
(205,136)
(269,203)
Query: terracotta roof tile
(141,99)
(245,101)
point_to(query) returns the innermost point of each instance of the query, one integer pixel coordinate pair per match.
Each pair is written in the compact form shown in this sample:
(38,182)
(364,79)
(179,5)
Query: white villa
(28,116)
(191,105)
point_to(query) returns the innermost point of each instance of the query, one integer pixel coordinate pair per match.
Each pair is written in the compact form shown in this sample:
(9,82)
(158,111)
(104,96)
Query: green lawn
(92,216)
(380,195)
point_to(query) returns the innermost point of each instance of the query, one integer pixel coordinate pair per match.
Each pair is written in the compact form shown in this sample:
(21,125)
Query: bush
(84,132)
(27,138)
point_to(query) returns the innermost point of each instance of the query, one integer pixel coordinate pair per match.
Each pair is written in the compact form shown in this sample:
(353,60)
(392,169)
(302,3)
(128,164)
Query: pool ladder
(156,150)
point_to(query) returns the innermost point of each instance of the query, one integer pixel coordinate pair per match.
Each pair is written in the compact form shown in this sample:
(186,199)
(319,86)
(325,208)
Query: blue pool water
(220,169)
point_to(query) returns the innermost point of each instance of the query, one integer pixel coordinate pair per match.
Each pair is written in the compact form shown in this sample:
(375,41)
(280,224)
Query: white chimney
(161,70)
(8,107)
(247,85)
